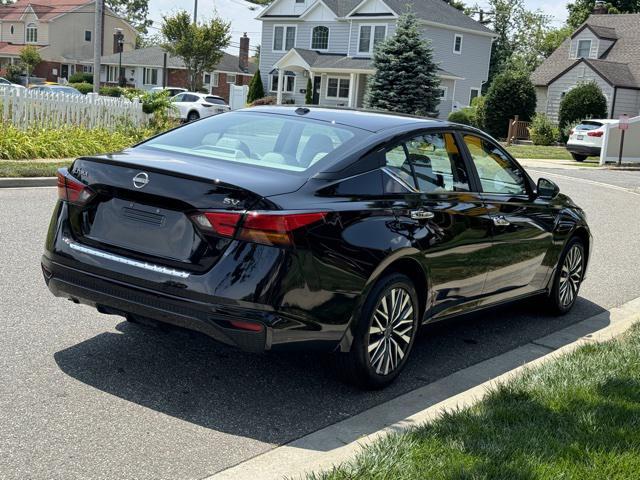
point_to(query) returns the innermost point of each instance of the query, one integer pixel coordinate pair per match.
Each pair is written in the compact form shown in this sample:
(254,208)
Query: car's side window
(178,98)
(437,163)
(397,163)
(497,172)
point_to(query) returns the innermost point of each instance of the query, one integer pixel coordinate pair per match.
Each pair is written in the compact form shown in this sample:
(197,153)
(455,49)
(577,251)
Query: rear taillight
(595,133)
(266,228)
(72,190)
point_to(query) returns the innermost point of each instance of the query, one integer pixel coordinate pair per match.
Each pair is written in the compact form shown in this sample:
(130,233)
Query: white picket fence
(27,108)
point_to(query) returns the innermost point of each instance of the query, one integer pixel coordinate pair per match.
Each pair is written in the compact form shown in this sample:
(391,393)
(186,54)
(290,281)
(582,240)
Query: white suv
(585,140)
(192,106)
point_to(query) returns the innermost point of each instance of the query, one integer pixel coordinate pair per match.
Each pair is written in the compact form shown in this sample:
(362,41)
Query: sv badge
(231,201)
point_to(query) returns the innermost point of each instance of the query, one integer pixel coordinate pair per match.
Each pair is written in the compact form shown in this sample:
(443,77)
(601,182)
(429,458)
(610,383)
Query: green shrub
(586,100)
(542,130)
(511,93)
(13,73)
(81,77)
(478,104)
(82,87)
(461,116)
(308,96)
(111,91)
(256,88)
(67,141)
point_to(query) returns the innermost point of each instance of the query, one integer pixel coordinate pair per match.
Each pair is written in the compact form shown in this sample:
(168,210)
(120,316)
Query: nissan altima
(281,227)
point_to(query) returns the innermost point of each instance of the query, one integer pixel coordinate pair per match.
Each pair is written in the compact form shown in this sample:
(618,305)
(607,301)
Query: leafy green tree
(406,76)
(29,59)
(510,94)
(308,96)
(586,100)
(256,88)
(580,10)
(553,39)
(136,12)
(200,46)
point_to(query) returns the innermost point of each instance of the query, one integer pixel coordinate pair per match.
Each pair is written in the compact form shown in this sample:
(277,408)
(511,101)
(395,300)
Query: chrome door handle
(422,214)
(500,221)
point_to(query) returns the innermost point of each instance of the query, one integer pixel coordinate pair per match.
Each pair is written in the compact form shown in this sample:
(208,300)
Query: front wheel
(568,278)
(384,335)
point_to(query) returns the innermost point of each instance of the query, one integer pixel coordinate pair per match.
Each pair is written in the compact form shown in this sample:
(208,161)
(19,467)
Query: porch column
(279,89)
(352,85)
(356,91)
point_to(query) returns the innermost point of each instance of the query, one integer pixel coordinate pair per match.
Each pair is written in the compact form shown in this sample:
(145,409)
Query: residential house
(62,30)
(143,68)
(332,41)
(606,50)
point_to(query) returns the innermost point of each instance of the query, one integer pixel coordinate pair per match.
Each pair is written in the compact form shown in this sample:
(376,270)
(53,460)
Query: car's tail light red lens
(276,229)
(242,325)
(72,190)
(221,223)
(595,133)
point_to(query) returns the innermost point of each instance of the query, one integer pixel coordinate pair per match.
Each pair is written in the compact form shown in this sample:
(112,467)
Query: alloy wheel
(391,331)
(570,276)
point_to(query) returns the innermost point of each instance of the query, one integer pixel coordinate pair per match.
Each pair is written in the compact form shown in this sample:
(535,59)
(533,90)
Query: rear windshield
(215,100)
(264,140)
(589,125)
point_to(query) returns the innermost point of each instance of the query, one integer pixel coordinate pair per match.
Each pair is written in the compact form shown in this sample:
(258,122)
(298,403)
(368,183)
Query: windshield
(67,90)
(264,140)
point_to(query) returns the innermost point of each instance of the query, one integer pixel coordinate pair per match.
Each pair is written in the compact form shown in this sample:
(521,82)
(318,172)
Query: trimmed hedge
(82,87)
(511,93)
(586,100)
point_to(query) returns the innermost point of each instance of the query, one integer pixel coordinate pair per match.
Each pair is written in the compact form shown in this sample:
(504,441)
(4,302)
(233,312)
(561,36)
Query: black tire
(558,301)
(193,115)
(365,369)
(579,158)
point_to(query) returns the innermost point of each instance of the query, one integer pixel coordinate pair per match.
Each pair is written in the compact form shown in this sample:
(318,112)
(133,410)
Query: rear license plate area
(580,137)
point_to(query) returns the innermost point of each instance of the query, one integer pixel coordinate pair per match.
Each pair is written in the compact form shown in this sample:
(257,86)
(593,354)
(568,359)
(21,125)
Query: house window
(370,36)
(320,38)
(443,93)
(475,92)
(337,88)
(584,49)
(150,76)
(87,35)
(87,68)
(289,82)
(112,74)
(12,29)
(215,79)
(206,78)
(284,37)
(32,33)
(231,78)
(457,43)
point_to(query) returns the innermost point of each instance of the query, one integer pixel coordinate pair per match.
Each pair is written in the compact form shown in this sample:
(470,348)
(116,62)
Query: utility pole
(98,38)
(195,12)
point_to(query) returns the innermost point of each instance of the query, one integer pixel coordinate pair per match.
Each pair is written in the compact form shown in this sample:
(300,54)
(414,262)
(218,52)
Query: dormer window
(32,33)
(584,49)
(320,38)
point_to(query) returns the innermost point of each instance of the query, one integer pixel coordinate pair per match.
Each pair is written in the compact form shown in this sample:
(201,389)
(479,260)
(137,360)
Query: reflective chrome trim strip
(401,181)
(126,261)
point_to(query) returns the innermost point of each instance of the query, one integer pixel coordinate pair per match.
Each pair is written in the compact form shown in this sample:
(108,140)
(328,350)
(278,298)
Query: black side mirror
(547,189)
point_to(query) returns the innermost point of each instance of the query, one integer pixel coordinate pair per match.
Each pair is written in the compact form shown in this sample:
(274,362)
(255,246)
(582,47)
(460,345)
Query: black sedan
(283,227)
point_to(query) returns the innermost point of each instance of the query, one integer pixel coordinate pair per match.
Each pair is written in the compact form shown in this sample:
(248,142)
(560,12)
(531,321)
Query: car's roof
(600,120)
(373,121)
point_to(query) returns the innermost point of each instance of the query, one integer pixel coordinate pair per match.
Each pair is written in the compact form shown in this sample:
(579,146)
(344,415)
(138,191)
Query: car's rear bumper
(588,150)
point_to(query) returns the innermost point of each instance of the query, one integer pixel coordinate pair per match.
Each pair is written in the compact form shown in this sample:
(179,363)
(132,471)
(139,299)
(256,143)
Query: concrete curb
(17,182)
(337,443)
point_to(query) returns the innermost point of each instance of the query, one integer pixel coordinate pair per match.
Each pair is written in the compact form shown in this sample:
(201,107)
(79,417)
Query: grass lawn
(28,168)
(574,418)
(543,153)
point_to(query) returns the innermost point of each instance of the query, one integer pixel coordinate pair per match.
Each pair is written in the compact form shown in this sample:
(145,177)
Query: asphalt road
(84,395)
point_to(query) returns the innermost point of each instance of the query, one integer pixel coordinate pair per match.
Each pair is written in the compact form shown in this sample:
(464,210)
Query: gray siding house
(331,42)
(605,49)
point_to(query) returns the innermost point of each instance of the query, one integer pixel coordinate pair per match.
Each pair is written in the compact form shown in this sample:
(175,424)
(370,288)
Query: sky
(242,14)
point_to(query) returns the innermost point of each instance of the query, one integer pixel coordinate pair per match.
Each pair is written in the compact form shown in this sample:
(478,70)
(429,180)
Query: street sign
(624,122)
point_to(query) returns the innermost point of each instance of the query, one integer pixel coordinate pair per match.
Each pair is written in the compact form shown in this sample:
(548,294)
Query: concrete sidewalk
(340,442)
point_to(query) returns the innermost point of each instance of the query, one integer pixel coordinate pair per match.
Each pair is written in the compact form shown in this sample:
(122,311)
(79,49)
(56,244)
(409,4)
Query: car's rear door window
(497,172)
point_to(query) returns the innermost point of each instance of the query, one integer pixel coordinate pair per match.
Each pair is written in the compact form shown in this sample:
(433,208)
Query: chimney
(244,53)
(600,8)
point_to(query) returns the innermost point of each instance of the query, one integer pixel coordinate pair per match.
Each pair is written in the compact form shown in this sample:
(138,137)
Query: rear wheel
(579,158)
(568,278)
(193,116)
(384,335)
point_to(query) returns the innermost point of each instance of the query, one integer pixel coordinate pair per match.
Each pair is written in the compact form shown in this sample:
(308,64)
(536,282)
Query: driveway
(84,395)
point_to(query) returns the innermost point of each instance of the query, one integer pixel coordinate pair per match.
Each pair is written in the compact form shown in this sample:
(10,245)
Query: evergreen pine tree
(256,89)
(406,78)
(308,97)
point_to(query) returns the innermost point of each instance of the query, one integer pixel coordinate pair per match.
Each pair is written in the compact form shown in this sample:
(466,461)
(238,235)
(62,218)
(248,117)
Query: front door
(317,80)
(446,221)
(522,225)
(64,71)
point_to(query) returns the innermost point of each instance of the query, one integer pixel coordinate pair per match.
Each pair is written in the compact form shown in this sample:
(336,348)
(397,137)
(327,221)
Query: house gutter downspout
(613,102)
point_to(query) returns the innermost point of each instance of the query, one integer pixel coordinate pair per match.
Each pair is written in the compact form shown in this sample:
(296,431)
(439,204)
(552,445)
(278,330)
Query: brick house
(143,68)
(62,31)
